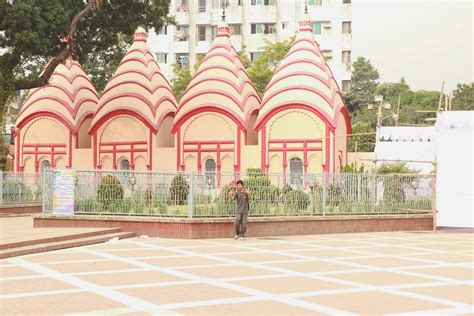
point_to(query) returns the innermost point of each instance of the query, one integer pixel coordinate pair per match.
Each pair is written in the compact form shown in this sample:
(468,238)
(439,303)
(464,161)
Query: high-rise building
(251,22)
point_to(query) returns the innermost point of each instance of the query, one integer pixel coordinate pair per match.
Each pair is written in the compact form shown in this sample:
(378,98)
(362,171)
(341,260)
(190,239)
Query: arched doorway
(45,164)
(124,165)
(296,172)
(210,172)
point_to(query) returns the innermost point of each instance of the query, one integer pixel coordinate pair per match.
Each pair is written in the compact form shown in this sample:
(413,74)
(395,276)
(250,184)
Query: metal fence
(193,194)
(20,188)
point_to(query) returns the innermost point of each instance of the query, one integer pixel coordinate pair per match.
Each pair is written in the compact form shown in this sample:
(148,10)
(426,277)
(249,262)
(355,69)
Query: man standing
(242,211)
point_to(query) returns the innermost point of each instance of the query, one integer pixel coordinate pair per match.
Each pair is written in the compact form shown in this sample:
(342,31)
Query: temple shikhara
(220,125)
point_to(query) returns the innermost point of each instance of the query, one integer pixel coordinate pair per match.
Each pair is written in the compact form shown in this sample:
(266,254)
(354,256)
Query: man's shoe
(236,237)
(241,238)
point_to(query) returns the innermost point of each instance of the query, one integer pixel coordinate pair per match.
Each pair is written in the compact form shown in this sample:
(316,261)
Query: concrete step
(61,236)
(49,246)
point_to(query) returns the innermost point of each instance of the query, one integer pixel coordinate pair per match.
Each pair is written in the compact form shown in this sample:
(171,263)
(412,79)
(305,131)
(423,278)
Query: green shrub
(260,187)
(346,204)
(202,199)
(149,197)
(286,188)
(259,208)
(16,191)
(224,205)
(110,190)
(296,200)
(86,206)
(334,195)
(179,191)
(393,188)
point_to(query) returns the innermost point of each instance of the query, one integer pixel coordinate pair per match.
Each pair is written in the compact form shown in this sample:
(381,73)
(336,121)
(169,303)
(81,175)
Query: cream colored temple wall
(341,142)
(365,159)
(296,124)
(82,158)
(164,159)
(208,127)
(251,157)
(124,128)
(44,131)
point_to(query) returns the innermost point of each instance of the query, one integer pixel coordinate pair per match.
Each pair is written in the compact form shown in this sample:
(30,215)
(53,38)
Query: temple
(220,125)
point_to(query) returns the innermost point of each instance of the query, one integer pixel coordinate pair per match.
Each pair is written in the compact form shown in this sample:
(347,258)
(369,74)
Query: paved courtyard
(369,273)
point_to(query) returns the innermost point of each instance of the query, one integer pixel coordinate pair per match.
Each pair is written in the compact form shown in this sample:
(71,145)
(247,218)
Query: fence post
(325,192)
(45,174)
(433,199)
(191,195)
(359,188)
(1,187)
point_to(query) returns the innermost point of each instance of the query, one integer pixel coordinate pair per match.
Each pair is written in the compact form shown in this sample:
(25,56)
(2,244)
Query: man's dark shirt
(242,202)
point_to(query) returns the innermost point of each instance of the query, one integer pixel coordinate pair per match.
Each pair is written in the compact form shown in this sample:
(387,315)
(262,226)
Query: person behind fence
(242,210)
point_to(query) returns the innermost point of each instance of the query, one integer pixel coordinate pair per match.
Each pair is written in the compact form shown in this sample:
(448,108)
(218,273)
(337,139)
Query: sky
(425,42)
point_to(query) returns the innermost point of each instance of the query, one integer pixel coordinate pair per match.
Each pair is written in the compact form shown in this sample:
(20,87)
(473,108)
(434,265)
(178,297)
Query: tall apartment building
(251,22)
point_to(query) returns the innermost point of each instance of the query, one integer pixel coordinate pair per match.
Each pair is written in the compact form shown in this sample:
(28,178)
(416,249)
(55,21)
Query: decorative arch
(128,137)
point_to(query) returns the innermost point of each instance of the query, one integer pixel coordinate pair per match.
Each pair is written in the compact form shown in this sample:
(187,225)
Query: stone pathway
(369,273)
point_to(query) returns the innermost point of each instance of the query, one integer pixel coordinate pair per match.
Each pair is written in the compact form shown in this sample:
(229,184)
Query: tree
(182,77)
(364,135)
(397,167)
(52,31)
(262,69)
(410,103)
(100,67)
(363,85)
(463,97)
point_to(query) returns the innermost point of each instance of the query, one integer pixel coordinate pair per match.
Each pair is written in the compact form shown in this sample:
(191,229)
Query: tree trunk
(66,52)
(42,80)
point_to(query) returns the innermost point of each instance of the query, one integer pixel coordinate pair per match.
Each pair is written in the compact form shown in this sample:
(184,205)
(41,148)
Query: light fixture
(132,181)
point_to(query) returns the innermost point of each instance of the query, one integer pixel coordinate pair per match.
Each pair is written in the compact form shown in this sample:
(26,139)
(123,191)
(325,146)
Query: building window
(162,58)
(202,6)
(182,5)
(346,1)
(216,4)
(255,28)
(315,2)
(260,2)
(254,55)
(296,172)
(182,33)
(182,60)
(263,28)
(213,31)
(317,28)
(236,29)
(346,56)
(327,53)
(163,31)
(201,33)
(284,25)
(346,27)
(269,29)
(346,85)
